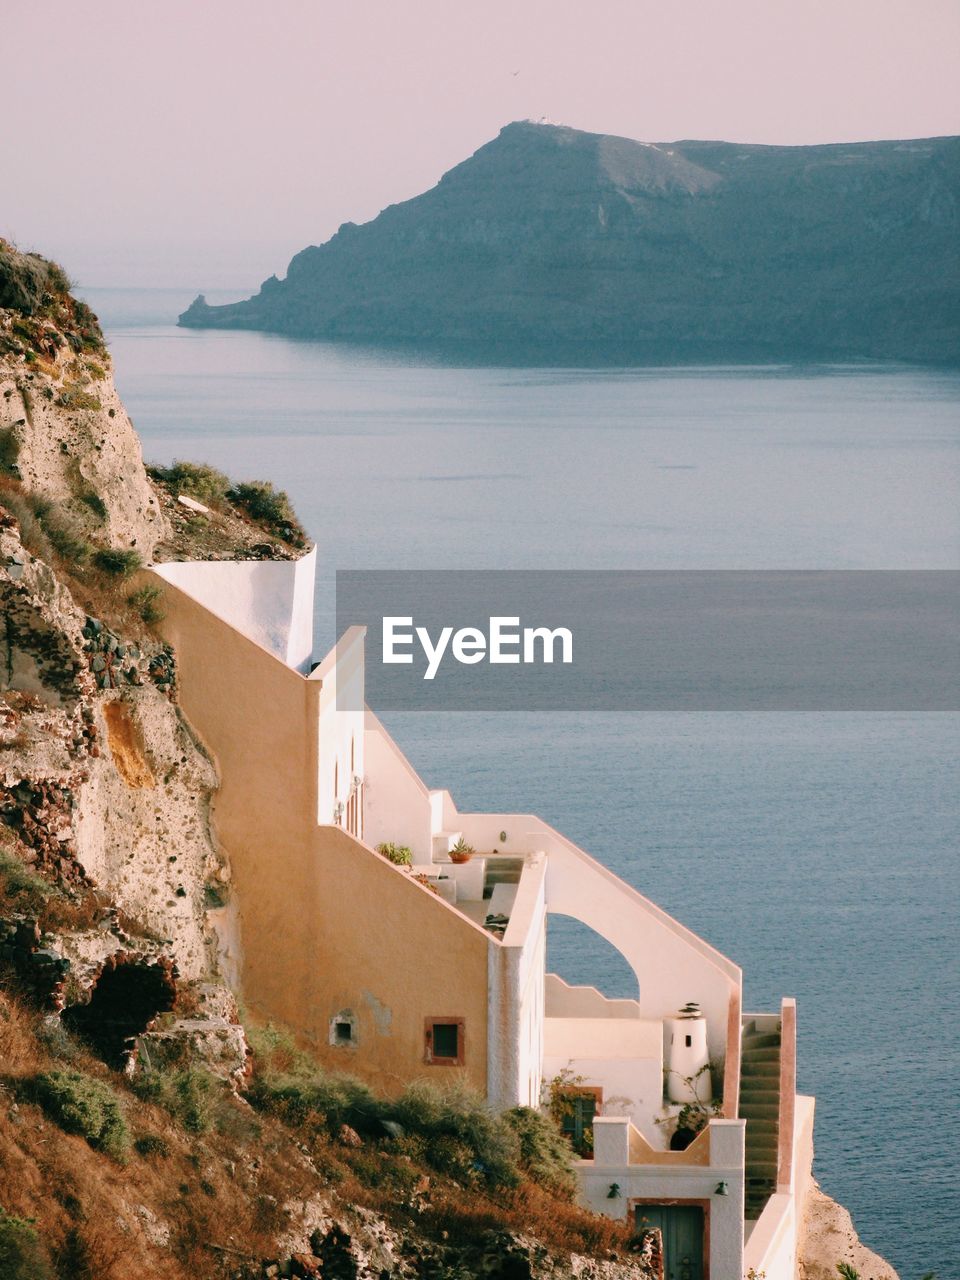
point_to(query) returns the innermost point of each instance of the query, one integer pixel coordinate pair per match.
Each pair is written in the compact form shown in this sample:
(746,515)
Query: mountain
(580,246)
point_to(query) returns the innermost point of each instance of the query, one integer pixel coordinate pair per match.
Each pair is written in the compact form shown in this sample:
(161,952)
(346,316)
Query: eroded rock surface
(829,1237)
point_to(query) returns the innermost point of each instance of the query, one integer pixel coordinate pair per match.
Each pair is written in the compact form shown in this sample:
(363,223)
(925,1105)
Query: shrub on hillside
(195,479)
(26,279)
(9,451)
(321,1099)
(270,508)
(456,1132)
(151,1144)
(455,1117)
(146,601)
(80,1104)
(189,1095)
(119,563)
(75,397)
(20,888)
(65,539)
(90,498)
(262,502)
(545,1153)
(22,1257)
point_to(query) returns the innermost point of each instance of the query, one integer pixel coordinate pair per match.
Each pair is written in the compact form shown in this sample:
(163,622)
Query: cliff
(63,431)
(553,244)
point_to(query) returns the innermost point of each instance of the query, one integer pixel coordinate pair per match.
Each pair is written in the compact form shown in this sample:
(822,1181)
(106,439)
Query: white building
(440,969)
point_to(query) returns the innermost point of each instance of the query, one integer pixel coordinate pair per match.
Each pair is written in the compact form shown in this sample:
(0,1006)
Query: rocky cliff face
(559,245)
(829,1237)
(63,429)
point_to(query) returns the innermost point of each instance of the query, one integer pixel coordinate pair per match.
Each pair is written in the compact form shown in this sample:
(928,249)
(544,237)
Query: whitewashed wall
(397,804)
(268,601)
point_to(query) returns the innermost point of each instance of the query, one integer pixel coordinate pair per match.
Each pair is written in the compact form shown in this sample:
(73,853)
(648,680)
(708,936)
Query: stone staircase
(760,1107)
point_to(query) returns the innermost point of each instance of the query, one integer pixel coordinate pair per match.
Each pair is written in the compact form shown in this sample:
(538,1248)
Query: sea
(816,849)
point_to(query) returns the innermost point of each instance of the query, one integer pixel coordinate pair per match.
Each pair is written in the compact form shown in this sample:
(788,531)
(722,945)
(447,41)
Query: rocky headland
(554,245)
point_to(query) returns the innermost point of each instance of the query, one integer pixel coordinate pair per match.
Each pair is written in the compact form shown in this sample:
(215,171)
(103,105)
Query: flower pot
(460,858)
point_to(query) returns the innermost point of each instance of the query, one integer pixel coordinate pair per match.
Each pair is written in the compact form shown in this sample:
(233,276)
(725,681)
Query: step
(762,1124)
(765,1067)
(762,1144)
(760,1089)
(761,1053)
(504,870)
(760,1040)
(759,1111)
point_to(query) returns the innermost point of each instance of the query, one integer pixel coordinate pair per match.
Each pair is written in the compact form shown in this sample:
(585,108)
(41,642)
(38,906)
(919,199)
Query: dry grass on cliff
(99,1218)
(52,537)
(205,1204)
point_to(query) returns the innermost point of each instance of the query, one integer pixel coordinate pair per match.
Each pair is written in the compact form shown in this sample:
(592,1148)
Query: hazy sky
(202,142)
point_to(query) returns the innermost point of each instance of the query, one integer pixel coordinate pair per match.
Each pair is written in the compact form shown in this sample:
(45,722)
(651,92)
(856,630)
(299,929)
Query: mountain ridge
(597,246)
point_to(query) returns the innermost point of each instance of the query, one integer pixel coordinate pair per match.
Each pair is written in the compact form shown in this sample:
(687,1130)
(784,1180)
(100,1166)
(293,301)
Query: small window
(689,1040)
(343,1028)
(578,1105)
(444,1042)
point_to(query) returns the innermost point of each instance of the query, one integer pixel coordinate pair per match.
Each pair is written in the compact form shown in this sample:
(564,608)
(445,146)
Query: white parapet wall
(268,601)
(341,734)
(773,1245)
(516,996)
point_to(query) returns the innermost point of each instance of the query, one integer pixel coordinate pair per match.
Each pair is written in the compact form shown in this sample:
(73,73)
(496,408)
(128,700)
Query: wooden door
(681,1226)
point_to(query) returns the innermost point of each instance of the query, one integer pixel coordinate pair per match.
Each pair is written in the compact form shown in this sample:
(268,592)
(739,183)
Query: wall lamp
(722,1189)
(614,1192)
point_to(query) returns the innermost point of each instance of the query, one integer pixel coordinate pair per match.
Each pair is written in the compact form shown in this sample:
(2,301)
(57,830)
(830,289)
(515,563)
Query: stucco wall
(324,921)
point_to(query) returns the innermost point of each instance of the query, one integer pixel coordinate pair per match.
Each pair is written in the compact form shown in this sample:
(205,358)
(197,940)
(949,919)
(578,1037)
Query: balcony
(484,889)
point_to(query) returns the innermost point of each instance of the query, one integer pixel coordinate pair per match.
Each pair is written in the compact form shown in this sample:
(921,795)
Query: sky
(201,143)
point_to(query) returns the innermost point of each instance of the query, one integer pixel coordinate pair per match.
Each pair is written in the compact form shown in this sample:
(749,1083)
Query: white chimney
(688,1071)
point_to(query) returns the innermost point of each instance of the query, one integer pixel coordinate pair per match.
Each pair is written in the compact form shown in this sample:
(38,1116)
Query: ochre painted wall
(326,924)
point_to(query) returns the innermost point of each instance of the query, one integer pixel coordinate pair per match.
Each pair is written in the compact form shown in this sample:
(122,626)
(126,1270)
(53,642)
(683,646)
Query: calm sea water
(817,850)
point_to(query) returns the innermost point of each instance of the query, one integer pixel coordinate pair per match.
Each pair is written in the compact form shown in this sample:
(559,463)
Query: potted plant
(461,851)
(399,854)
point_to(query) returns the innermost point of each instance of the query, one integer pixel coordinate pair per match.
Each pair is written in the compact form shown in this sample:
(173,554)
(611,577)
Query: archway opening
(583,957)
(125,999)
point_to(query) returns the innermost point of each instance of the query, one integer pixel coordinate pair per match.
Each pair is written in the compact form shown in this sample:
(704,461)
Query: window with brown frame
(578,1104)
(443,1042)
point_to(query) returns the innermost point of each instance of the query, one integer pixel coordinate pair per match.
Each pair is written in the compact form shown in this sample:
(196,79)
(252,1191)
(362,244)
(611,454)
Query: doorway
(682,1229)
